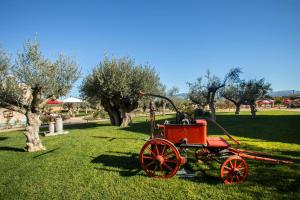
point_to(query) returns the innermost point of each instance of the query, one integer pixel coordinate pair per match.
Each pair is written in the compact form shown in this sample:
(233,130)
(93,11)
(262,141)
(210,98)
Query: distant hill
(182,95)
(284,93)
(279,93)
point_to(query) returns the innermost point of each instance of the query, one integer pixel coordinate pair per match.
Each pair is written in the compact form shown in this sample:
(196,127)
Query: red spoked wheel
(160,158)
(234,170)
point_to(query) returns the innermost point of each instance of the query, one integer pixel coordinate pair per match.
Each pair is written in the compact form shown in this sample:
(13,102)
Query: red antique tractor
(164,153)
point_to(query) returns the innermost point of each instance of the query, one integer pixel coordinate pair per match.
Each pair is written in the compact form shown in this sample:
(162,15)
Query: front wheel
(160,158)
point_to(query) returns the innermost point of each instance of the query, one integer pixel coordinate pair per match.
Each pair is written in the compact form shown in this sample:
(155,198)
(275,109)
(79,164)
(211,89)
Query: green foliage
(204,90)
(278,100)
(116,83)
(10,90)
(234,93)
(186,106)
(255,89)
(4,63)
(55,78)
(120,77)
(33,77)
(246,91)
(172,92)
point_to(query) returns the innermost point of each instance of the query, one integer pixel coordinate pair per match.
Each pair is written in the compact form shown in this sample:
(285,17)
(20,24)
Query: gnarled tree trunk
(114,116)
(212,110)
(253,110)
(237,109)
(119,110)
(33,142)
(126,118)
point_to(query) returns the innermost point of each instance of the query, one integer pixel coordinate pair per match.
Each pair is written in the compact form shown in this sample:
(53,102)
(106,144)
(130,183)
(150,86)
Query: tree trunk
(119,110)
(253,110)
(126,118)
(112,111)
(237,109)
(212,110)
(115,118)
(164,108)
(32,133)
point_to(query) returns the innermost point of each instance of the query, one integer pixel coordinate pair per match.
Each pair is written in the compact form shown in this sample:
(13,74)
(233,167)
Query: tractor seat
(217,142)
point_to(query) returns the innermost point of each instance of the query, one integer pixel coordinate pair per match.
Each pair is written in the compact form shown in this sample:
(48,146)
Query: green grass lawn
(98,161)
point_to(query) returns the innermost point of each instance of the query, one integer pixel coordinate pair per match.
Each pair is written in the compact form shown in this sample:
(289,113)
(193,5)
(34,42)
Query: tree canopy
(255,89)
(236,94)
(204,90)
(246,93)
(26,85)
(115,82)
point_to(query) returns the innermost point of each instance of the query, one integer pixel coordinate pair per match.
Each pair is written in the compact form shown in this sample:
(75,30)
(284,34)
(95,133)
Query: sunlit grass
(98,161)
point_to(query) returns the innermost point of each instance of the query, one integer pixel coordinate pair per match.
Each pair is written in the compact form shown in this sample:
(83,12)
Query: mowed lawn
(98,161)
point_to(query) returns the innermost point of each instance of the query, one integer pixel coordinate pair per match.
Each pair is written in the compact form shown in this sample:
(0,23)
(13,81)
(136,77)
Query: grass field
(98,161)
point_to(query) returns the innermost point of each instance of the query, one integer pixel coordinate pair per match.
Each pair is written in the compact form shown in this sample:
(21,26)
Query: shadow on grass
(275,128)
(289,155)
(284,178)
(50,151)
(125,165)
(12,149)
(3,138)
(144,126)
(84,126)
(116,138)
(128,165)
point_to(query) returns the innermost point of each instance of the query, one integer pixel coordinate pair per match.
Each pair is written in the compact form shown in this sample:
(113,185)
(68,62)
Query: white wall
(18,119)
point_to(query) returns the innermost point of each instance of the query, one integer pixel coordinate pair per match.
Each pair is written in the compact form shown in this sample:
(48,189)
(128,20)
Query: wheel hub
(160,159)
(236,171)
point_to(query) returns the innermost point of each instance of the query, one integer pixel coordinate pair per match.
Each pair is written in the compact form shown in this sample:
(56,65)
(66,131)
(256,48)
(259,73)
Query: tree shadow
(143,127)
(289,155)
(50,151)
(84,125)
(11,149)
(3,138)
(284,179)
(117,138)
(276,128)
(128,165)
(125,165)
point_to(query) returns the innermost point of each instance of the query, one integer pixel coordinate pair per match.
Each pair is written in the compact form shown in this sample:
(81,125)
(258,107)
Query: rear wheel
(160,158)
(234,170)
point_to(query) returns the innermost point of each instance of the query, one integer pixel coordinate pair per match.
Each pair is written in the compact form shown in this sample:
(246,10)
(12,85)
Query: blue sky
(181,39)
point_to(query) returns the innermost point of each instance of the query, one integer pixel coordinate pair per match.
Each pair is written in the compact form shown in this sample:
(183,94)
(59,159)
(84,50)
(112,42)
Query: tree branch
(12,107)
(229,99)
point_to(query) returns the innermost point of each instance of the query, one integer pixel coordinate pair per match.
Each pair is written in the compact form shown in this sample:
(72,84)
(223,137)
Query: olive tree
(163,102)
(246,93)
(171,94)
(235,93)
(204,90)
(115,82)
(255,89)
(26,85)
